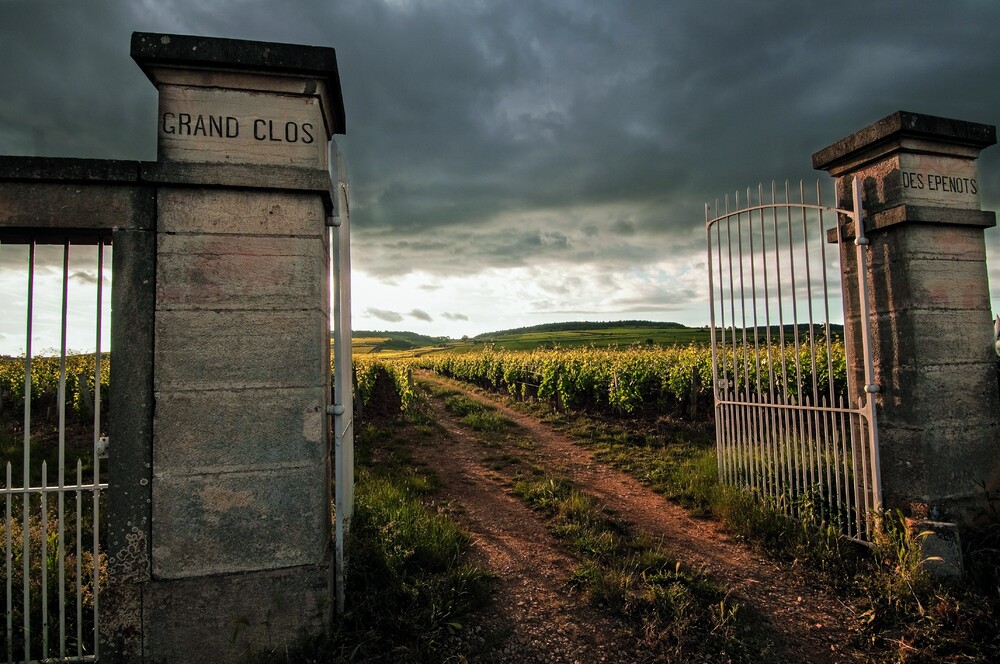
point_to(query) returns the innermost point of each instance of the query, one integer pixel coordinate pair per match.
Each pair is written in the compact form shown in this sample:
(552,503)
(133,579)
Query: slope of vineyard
(622,381)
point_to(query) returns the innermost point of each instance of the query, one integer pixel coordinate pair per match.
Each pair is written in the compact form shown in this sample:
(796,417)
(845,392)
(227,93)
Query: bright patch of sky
(47,301)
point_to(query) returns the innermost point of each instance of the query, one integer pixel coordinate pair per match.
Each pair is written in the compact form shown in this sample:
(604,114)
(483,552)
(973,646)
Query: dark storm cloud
(502,134)
(382,314)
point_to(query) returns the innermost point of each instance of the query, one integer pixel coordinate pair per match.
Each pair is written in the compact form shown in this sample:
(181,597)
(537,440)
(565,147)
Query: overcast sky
(521,162)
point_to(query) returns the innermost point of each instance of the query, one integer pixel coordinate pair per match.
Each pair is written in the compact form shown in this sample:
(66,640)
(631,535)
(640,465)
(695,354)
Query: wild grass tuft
(476,415)
(677,613)
(461,405)
(490,421)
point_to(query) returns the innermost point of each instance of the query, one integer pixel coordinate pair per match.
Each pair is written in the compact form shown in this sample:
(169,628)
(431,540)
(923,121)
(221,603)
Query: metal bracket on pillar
(333,221)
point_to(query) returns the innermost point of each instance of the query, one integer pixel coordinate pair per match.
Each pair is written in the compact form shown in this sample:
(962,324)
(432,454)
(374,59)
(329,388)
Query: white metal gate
(342,408)
(53,562)
(793,425)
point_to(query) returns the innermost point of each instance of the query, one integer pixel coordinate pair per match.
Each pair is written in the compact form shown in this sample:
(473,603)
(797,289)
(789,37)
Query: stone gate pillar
(930,308)
(226,521)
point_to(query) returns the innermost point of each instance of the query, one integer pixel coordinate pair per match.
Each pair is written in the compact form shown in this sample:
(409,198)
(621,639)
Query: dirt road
(548,622)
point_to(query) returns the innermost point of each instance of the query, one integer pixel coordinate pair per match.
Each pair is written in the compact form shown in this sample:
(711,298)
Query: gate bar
(870,388)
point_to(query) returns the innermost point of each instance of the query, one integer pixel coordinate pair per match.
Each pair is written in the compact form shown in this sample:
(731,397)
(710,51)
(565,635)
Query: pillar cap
(151,50)
(892,131)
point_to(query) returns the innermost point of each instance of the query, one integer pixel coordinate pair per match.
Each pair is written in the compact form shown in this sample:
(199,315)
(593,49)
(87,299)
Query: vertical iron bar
(772,413)
(755,412)
(96,545)
(783,392)
(97,556)
(860,470)
(826,296)
(8,569)
(44,566)
(798,454)
(864,468)
(843,494)
(829,345)
(61,399)
(26,471)
(745,417)
(10,565)
(713,341)
(722,346)
(850,478)
(801,452)
(736,442)
(79,555)
(815,437)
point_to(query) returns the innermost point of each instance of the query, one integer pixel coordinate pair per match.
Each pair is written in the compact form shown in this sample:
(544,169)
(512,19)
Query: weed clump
(679,614)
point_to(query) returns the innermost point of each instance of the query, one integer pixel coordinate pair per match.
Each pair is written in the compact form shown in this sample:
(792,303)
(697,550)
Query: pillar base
(241,615)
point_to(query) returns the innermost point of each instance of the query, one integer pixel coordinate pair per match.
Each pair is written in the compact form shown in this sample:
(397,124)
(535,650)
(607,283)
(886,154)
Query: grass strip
(409,589)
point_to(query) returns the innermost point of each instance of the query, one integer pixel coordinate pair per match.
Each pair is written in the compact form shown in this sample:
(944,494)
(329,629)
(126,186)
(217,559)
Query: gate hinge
(335,409)
(333,221)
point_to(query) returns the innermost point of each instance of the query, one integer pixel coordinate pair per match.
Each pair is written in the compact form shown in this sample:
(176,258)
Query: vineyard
(613,381)
(629,381)
(46,376)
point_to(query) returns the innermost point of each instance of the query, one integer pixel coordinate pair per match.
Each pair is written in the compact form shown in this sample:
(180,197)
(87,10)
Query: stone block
(934,337)
(929,242)
(231,522)
(57,206)
(914,283)
(940,466)
(213,350)
(239,211)
(234,618)
(240,127)
(224,271)
(226,431)
(918,395)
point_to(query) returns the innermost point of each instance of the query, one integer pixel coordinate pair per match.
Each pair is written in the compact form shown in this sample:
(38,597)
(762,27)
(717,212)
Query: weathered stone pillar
(239,552)
(938,407)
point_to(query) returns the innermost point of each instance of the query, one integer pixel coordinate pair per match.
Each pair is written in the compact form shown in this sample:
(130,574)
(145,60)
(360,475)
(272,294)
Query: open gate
(793,424)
